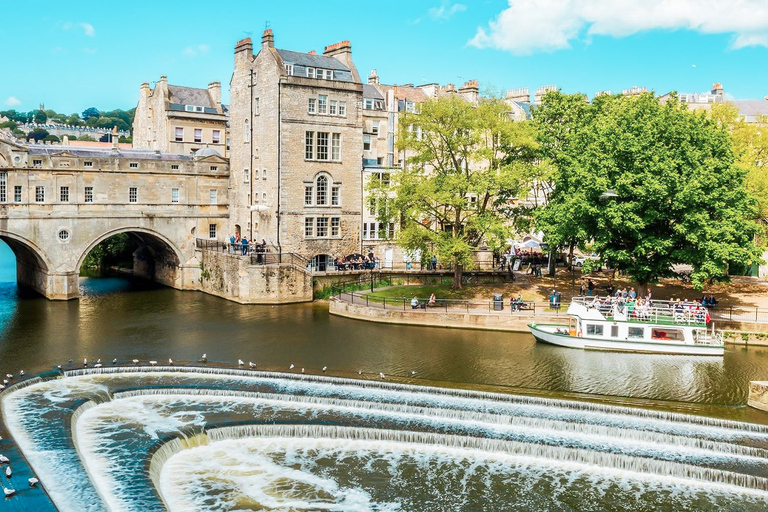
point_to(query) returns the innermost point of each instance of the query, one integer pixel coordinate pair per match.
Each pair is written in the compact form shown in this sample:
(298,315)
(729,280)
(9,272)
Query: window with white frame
(3,185)
(332,107)
(308,195)
(133,195)
(198,135)
(309,226)
(375,128)
(246,175)
(174,167)
(87,164)
(216,136)
(263,174)
(322,227)
(213,195)
(321,197)
(133,165)
(246,131)
(214,168)
(39,194)
(310,72)
(322,104)
(335,147)
(212,231)
(174,195)
(289,68)
(367,103)
(312,106)
(179,134)
(410,106)
(309,146)
(17,193)
(335,226)
(366,142)
(335,195)
(342,108)
(322,146)
(365,231)
(256,106)
(194,108)
(64,194)
(391,231)
(88,194)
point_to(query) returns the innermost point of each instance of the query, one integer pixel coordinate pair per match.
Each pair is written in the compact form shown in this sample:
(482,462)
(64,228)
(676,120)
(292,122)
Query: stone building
(179,119)
(296,149)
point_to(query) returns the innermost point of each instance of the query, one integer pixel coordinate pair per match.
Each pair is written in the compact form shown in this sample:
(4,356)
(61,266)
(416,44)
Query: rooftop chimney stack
(267,40)
(214,90)
(373,78)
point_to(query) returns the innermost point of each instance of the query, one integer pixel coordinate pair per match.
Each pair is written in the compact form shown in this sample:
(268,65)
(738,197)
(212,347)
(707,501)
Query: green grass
(441,291)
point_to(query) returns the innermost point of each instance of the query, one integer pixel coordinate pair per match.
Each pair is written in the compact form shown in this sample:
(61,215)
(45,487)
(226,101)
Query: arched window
(321,199)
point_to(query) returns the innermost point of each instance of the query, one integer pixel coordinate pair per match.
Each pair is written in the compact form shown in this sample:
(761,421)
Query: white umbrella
(533,244)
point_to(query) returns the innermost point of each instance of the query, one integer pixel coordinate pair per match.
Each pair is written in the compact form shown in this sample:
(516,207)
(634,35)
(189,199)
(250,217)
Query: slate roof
(748,108)
(407,93)
(189,96)
(137,154)
(370,91)
(311,60)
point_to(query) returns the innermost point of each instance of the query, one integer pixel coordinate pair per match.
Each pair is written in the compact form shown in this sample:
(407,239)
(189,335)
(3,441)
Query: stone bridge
(58,202)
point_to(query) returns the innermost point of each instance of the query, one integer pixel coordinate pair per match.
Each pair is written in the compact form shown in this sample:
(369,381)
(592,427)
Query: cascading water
(179,438)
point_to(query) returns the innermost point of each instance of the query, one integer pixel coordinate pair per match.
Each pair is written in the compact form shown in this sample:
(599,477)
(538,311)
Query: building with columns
(296,149)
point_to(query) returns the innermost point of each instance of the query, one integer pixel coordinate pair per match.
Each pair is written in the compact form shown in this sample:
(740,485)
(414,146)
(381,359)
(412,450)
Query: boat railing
(655,311)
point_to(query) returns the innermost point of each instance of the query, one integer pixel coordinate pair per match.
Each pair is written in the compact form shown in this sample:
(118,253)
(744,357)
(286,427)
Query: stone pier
(758,395)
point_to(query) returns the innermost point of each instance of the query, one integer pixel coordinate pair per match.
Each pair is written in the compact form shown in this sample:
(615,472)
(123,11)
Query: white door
(388,258)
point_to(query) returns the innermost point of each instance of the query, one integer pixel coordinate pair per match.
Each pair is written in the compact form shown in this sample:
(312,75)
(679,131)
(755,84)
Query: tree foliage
(464,163)
(115,249)
(680,198)
(90,112)
(37,134)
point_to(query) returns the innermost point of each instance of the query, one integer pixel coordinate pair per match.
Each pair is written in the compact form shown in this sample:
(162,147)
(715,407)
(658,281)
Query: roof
(311,60)
(752,107)
(370,91)
(407,93)
(137,154)
(189,96)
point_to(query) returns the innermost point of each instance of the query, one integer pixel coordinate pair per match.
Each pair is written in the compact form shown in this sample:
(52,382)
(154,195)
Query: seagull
(33,481)
(251,364)
(240,362)
(11,376)
(381,375)
(97,365)
(8,471)
(85,361)
(2,386)
(302,370)
(153,363)
(292,366)
(8,492)
(135,361)
(58,367)
(324,368)
(70,361)
(204,359)
(359,372)
(5,381)
(170,361)
(99,360)
(413,372)
(4,459)
(21,373)
(114,361)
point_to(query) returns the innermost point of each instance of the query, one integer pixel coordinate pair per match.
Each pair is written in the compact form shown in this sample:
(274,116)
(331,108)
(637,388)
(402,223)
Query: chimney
(520,95)
(342,52)
(115,138)
(717,89)
(214,91)
(373,78)
(267,40)
(470,90)
(65,141)
(312,52)
(243,55)
(541,91)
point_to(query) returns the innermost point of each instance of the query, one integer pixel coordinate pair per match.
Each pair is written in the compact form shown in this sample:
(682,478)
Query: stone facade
(296,149)
(180,120)
(58,202)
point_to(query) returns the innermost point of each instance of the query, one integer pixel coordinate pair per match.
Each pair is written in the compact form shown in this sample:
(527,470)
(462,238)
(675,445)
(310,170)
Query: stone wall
(758,395)
(234,278)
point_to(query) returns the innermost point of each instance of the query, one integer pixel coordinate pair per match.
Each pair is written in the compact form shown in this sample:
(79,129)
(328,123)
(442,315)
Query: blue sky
(76,54)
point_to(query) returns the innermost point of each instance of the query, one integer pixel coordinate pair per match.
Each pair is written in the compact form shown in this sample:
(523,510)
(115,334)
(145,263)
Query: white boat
(661,327)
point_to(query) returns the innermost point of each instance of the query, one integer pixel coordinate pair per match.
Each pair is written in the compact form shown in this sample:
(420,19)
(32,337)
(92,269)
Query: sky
(76,54)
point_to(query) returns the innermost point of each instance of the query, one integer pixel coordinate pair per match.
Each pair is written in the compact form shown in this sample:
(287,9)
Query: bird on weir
(135,361)
(4,459)
(33,481)
(292,366)
(251,364)
(381,375)
(8,492)
(240,362)
(204,359)
(324,368)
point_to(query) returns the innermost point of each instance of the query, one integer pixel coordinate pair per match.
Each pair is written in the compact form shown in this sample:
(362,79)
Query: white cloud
(194,51)
(13,101)
(527,26)
(88,28)
(446,10)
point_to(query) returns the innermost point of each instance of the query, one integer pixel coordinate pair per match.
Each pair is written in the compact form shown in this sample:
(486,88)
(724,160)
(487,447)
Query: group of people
(516,304)
(244,247)
(356,262)
(681,310)
(415,304)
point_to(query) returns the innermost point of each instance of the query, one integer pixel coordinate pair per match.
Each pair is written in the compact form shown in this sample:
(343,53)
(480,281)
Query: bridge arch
(156,258)
(32,263)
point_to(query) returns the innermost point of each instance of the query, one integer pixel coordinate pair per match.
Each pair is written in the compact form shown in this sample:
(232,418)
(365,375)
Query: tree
(51,138)
(90,112)
(12,125)
(466,162)
(679,197)
(37,134)
(40,117)
(74,120)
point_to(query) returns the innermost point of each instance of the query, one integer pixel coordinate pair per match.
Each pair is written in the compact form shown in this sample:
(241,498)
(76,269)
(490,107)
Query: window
(37,163)
(246,131)
(198,135)
(310,72)
(342,108)
(309,225)
(309,146)
(246,175)
(312,105)
(174,167)
(322,146)
(133,165)
(211,231)
(256,106)
(63,235)
(335,196)
(322,191)
(371,207)
(636,332)
(64,194)
(263,174)
(3,184)
(264,197)
(365,231)
(336,147)
(596,330)
(366,142)
(213,195)
(368,103)
(332,107)
(325,73)
(375,128)
(249,199)
(39,194)
(289,68)
(410,106)
(174,195)
(322,226)
(179,134)
(214,168)
(614,331)
(17,193)
(194,108)
(216,137)
(322,104)
(87,164)
(335,224)
(88,194)
(133,195)
(391,230)
(308,196)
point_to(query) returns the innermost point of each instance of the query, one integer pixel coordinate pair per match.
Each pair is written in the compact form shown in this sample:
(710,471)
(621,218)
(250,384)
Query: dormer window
(368,103)
(310,72)
(289,69)
(194,108)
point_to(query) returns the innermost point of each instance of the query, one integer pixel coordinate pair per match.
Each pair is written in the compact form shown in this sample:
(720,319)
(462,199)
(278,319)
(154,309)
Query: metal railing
(254,252)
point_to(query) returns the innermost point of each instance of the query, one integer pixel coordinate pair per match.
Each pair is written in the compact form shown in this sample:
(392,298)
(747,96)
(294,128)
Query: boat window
(597,330)
(636,332)
(667,334)
(614,331)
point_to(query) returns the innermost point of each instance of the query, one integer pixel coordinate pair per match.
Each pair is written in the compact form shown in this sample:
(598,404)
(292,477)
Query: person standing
(244,243)
(590,287)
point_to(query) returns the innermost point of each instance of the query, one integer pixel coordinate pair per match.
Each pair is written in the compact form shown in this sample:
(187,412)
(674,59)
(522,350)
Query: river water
(124,319)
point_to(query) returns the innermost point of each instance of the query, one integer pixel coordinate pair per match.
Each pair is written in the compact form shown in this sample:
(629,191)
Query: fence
(271,256)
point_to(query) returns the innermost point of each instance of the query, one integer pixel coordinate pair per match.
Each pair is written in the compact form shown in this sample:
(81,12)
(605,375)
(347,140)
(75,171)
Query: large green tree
(679,198)
(464,163)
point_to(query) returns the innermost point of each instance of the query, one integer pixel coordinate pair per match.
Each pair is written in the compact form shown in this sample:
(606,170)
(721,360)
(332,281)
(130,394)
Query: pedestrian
(244,243)
(582,288)
(231,244)
(434,262)
(590,287)
(415,302)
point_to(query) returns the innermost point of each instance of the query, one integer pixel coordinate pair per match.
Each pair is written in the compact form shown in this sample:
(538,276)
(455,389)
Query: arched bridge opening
(32,265)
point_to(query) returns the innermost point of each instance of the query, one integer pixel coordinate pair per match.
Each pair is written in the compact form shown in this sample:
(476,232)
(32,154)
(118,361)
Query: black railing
(256,253)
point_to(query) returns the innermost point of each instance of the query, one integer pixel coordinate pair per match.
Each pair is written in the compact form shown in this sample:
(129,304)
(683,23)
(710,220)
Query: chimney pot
(268,39)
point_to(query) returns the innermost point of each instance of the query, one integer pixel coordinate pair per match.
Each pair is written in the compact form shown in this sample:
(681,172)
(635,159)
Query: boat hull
(564,340)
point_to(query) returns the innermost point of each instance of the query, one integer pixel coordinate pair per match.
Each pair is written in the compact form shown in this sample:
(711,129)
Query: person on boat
(630,307)
(632,293)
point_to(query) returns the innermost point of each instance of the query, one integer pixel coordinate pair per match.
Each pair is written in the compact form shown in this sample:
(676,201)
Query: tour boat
(662,327)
